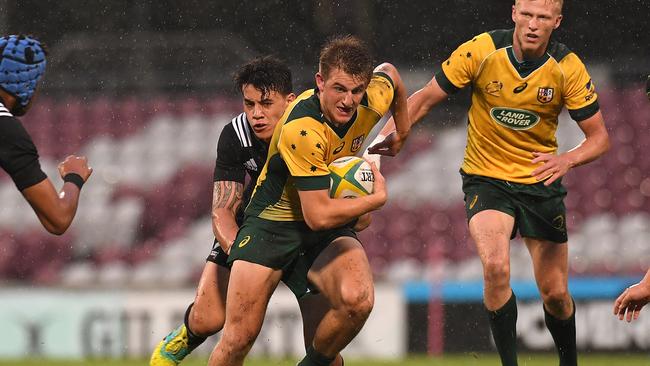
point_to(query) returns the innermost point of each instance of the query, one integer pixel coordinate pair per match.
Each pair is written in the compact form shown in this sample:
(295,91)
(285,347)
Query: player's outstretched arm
(56,211)
(322,212)
(629,304)
(421,102)
(226,199)
(595,144)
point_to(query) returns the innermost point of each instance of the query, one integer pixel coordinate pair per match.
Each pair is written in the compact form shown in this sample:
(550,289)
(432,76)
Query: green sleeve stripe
(312,183)
(384,75)
(583,113)
(445,84)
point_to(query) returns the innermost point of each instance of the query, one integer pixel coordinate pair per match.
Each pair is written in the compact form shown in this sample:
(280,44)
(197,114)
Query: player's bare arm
(421,102)
(56,210)
(595,144)
(322,212)
(629,304)
(226,199)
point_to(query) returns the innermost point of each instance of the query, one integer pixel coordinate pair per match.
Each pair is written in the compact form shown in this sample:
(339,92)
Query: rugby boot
(172,349)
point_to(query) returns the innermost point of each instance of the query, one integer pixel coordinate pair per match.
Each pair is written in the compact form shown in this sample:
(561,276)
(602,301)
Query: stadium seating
(144,216)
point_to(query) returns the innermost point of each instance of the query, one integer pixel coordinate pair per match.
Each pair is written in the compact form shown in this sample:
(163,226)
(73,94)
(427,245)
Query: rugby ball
(350,177)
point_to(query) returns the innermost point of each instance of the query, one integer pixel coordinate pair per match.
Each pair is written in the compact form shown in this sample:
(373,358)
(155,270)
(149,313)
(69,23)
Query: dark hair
(347,53)
(266,74)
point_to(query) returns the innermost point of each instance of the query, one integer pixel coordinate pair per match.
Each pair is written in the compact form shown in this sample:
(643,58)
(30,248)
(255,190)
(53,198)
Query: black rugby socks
(193,340)
(564,336)
(503,323)
(314,358)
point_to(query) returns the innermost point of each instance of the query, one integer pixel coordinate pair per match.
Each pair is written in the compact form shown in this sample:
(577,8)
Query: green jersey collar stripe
(526,67)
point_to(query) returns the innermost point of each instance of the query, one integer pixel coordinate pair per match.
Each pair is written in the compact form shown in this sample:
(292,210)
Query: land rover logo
(516,119)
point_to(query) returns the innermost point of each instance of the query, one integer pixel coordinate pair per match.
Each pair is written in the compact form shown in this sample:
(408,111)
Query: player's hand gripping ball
(350,177)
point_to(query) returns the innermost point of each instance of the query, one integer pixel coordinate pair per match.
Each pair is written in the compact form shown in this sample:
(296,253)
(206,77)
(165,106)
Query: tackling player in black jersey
(22,64)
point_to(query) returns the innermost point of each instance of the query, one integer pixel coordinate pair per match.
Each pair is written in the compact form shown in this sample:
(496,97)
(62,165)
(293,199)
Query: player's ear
(290,97)
(558,21)
(320,81)
(7,99)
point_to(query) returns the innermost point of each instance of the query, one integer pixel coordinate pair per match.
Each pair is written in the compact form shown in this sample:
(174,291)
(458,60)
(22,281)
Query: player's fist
(77,165)
(390,146)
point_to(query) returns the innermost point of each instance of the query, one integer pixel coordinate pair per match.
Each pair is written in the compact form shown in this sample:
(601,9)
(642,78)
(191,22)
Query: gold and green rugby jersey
(304,142)
(515,105)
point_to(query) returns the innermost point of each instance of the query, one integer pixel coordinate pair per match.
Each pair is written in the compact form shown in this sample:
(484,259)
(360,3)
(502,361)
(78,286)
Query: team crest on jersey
(356,143)
(494,88)
(545,95)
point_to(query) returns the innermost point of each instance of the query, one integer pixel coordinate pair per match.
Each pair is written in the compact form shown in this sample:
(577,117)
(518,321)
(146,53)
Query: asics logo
(558,223)
(338,149)
(244,241)
(474,200)
(520,88)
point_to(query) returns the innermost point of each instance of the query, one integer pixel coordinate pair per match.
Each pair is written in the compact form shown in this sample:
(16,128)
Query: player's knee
(358,301)
(555,296)
(239,340)
(496,270)
(205,324)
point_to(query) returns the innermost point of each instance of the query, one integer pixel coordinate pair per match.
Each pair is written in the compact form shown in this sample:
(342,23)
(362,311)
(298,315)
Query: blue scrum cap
(22,64)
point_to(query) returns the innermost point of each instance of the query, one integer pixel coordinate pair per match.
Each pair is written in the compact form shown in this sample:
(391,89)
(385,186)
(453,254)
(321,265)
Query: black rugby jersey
(239,152)
(18,155)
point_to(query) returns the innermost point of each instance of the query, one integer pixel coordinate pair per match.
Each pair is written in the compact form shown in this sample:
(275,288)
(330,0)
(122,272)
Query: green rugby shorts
(538,210)
(290,246)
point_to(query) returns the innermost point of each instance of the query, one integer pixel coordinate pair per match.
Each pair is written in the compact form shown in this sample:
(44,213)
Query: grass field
(451,360)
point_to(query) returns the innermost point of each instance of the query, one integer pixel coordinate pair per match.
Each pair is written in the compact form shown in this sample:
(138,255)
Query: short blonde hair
(560,3)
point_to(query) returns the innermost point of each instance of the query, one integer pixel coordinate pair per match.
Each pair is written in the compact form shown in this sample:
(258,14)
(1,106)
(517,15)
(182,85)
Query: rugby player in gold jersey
(293,231)
(512,168)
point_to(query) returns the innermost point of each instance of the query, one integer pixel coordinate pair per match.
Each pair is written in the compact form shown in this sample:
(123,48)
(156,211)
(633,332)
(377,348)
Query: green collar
(525,67)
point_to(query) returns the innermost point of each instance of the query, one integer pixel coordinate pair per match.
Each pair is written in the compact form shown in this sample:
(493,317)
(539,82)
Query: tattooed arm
(226,199)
